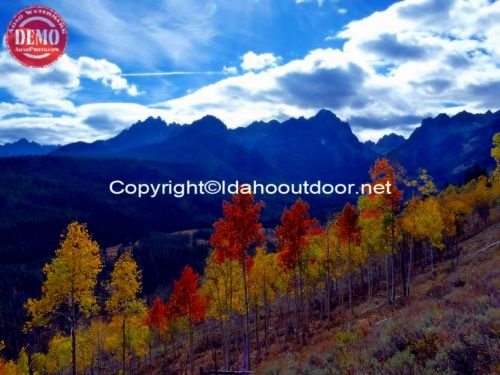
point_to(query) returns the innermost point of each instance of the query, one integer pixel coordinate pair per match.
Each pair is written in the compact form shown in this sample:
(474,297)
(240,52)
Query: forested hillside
(316,292)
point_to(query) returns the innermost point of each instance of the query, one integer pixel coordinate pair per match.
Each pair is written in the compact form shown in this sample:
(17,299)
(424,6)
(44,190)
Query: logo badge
(37,36)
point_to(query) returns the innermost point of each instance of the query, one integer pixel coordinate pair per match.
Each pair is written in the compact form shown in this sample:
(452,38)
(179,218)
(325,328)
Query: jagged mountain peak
(209,122)
(386,143)
(326,116)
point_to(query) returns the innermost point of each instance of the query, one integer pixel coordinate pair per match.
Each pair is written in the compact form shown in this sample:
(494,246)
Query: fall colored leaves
(106,325)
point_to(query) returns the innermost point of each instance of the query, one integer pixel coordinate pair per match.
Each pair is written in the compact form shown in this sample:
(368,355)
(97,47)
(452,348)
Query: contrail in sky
(172,73)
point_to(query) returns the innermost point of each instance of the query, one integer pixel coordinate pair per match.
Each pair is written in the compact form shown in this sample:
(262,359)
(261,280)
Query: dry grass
(459,291)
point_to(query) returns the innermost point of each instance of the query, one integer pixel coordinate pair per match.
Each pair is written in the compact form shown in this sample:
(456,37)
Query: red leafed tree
(187,302)
(294,233)
(238,229)
(382,173)
(293,236)
(157,317)
(235,234)
(349,233)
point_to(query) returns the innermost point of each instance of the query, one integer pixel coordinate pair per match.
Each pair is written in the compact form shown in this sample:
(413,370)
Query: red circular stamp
(37,36)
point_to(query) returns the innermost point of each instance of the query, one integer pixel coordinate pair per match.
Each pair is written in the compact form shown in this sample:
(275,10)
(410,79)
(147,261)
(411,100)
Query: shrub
(401,363)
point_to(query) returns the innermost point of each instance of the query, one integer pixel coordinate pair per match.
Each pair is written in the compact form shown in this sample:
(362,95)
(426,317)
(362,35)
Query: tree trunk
(387,279)
(393,262)
(73,339)
(266,319)
(225,344)
(256,313)
(432,258)
(303,318)
(247,324)
(124,346)
(410,265)
(370,292)
(327,278)
(296,307)
(402,264)
(191,351)
(350,281)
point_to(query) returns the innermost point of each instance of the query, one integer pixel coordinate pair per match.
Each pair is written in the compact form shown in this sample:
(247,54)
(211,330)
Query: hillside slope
(450,326)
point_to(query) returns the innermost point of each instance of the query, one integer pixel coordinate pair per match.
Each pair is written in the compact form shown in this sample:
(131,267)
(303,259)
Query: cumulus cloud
(396,66)
(255,62)
(324,78)
(414,59)
(88,122)
(7,109)
(50,88)
(106,72)
(389,47)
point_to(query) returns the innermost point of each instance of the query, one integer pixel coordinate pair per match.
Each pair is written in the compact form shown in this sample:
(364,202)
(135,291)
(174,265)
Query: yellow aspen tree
(374,234)
(124,303)
(495,153)
(385,207)
(453,211)
(262,281)
(222,285)
(331,262)
(68,289)
(425,222)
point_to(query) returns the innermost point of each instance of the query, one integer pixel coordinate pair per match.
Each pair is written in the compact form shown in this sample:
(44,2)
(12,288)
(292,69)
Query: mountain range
(319,147)
(24,147)
(448,146)
(387,143)
(41,194)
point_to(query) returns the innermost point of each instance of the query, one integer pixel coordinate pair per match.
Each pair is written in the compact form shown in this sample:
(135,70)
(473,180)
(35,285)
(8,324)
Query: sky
(381,65)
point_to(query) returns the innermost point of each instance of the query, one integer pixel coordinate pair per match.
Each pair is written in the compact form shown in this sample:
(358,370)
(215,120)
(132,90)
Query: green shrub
(401,363)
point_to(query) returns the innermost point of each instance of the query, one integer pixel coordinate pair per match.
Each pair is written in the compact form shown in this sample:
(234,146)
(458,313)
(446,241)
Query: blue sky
(380,65)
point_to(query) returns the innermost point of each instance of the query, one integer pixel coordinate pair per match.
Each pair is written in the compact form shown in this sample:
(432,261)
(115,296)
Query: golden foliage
(70,278)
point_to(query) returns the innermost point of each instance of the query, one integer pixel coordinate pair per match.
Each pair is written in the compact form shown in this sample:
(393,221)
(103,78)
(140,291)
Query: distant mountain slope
(23,147)
(386,144)
(208,144)
(321,147)
(143,133)
(448,146)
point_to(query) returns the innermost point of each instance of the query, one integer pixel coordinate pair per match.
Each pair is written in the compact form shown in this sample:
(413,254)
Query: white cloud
(293,89)
(416,58)
(108,73)
(88,123)
(177,31)
(50,88)
(230,70)
(320,2)
(40,88)
(9,108)
(255,62)
(342,11)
